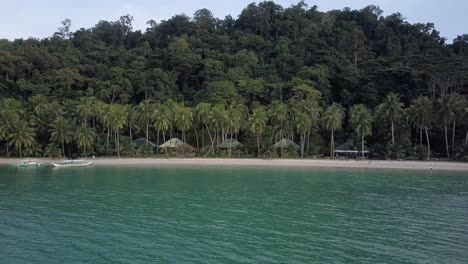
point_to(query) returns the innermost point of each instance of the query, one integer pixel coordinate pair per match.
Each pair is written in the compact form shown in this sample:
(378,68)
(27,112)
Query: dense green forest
(318,78)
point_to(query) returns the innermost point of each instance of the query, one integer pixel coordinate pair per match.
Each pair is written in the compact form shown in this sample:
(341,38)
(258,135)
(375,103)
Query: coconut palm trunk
(421,136)
(393,133)
(147,133)
(230,147)
(362,146)
(117,142)
(303,137)
(453,138)
(446,136)
(164,139)
(63,148)
(428,144)
(258,144)
(282,147)
(131,138)
(332,144)
(107,141)
(211,146)
(196,136)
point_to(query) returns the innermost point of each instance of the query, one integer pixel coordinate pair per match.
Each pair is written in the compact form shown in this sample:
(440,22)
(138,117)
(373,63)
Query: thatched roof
(139,142)
(286,143)
(349,146)
(229,143)
(173,143)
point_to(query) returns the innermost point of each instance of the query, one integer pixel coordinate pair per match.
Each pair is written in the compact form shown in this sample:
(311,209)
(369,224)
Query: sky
(40,19)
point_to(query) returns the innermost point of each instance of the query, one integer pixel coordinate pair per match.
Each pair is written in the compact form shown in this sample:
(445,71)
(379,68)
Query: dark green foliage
(259,59)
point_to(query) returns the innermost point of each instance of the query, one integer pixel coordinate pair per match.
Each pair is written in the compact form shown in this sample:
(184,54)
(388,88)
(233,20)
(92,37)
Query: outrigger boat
(27,163)
(72,163)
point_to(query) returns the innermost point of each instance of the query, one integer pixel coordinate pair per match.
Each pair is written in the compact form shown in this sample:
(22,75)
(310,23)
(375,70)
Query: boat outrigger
(72,163)
(27,163)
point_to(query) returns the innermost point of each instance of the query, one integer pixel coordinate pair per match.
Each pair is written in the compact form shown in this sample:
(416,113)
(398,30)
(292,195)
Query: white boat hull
(72,165)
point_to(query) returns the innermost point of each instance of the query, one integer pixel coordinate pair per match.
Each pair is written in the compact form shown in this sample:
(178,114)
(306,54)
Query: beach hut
(348,150)
(141,142)
(286,144)
(229,143)
(177,146)
(172,143)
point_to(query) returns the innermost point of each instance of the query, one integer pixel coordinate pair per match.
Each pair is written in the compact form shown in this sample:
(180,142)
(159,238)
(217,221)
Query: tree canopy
(283,64)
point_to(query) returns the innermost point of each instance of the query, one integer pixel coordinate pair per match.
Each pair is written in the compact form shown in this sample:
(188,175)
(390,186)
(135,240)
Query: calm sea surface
(232,215)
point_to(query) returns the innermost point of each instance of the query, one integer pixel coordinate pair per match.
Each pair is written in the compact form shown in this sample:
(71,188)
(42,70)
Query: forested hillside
(318,78)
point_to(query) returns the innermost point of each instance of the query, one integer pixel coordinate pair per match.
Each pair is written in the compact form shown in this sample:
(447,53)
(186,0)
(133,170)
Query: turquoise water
(231,215)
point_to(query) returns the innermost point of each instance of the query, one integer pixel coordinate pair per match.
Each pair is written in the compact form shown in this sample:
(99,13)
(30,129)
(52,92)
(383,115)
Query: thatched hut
(286,143)
(348,150)
(229,144)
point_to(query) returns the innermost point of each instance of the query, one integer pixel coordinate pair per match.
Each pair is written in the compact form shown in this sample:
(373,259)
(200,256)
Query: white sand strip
(195,162)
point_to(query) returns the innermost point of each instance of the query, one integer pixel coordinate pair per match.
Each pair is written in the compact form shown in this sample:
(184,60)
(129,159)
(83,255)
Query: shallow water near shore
(232,215)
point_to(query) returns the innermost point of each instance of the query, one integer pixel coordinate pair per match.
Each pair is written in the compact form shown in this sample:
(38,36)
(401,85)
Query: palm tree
(303,126)
(257,123)
(10,113)
(162,121)
(117,119)
(391,109)
(235,118)
(449,107)
(421,113)
(131,117)
(311,108)
(172,106)
(103,116)
(85,109)
(84,137)
(22,135)
(279,117)
(459,104)
(332,121)
(361,119)
(203,114)
(183,119)
(62,132)
(145,115)
(217,122)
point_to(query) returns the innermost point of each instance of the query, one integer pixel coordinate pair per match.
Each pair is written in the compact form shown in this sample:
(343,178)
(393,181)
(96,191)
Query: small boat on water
(27,163)
(72,163)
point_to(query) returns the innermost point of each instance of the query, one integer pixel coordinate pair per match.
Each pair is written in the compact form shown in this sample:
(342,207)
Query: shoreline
(293,163)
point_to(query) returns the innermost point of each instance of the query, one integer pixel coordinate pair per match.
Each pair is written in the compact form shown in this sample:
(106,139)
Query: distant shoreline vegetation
(274,82)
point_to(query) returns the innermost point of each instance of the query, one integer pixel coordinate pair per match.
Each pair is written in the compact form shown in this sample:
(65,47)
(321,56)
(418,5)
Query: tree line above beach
(317,78)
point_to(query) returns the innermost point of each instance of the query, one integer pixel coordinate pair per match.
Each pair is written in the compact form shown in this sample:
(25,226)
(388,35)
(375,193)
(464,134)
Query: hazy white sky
(33,18)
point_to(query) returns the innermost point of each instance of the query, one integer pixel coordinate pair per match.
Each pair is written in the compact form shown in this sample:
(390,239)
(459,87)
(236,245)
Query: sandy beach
(304,163)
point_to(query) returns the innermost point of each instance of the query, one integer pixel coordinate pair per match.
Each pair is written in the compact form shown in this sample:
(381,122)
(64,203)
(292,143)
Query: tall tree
(61,132)
(303,126)
(421,115)
(145,115)
(84,137)
(332,121)
(162,121)
(361,119)
(391,110)
(22,135)
(258,121)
